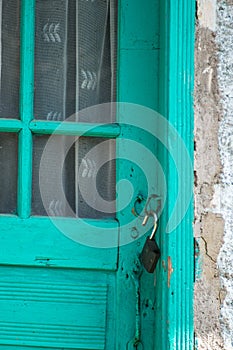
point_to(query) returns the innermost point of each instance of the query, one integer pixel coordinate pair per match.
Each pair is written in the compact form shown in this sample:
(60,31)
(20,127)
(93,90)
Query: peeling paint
(164,265)
(170,270)
(197,260)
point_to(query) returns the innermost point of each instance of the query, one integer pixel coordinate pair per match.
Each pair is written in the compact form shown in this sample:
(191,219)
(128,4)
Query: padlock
(150,255)
(151,252)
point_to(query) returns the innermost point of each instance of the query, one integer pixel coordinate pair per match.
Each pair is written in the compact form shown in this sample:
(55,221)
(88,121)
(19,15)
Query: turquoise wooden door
(60,289)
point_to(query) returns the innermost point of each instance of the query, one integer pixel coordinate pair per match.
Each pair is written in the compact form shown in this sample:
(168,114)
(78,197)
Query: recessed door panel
(55,308)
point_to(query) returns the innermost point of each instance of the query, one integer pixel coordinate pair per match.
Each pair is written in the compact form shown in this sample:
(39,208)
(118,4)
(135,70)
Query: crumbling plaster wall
(214,174)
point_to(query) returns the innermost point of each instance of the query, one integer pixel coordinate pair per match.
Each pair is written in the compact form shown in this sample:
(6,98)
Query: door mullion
(75,129)
(26,106)
(10,125)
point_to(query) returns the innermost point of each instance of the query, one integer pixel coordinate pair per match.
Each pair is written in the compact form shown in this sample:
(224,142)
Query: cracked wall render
(225,80)
(214,174)
(208,226)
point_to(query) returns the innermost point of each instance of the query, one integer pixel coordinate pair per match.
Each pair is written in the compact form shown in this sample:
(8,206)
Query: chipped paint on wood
(170,270)
(197,260)
(164,265)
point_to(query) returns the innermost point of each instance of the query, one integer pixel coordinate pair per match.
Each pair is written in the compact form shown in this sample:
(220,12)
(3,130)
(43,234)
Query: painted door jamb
(174,321)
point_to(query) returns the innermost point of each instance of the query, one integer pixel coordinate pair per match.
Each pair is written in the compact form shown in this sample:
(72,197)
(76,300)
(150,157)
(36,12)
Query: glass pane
(47,196)
(88,174)
(74,56)
(9,58)
(95,178)
(8,173)
(94,53)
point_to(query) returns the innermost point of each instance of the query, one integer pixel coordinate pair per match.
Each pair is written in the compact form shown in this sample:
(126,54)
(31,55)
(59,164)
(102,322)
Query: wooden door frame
(175,316)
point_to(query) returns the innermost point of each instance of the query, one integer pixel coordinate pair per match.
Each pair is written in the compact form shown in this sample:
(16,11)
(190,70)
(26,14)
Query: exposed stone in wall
(209,226)
(224,205)
(206,11)
(214,174)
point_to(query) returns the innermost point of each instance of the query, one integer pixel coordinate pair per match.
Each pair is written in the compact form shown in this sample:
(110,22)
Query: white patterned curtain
(75,67)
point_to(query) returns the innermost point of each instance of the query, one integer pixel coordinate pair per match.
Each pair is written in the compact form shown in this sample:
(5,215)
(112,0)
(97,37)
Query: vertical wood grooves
(175,323)
(181,111)
(181,46)
(26,106)
(161,327)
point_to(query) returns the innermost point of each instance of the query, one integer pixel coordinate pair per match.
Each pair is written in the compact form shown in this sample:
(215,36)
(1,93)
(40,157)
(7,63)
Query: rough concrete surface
(208,225)
(225,81)
(214,174)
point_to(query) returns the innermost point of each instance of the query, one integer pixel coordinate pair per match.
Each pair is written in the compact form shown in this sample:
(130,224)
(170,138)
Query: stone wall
(214,175)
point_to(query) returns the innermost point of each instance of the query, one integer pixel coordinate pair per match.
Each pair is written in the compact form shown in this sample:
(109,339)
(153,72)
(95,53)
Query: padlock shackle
(149,210)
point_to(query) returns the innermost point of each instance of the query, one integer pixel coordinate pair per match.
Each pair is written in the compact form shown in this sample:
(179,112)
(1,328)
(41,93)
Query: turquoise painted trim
(197,260)
(10,125)
(138,74)
(27,25)
(75,129)
(175,280)
(53,249)
(25,173)
(137,82)
(26,106)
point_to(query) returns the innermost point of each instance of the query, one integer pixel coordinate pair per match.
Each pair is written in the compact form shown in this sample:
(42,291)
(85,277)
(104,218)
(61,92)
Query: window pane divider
(100,222)
(10,125)
(75,129)
(26,106)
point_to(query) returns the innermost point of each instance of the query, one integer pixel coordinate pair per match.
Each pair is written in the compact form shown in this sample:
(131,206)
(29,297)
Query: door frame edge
(175,321)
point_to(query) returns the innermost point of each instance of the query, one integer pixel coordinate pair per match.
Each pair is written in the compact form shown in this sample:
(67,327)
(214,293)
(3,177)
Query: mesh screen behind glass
(53,203)
(9,58)
(8,173)
(74,56)
(57,172)
(75,63)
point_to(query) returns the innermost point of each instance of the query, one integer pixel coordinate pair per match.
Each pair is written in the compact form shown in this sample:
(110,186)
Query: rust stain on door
(170,270)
